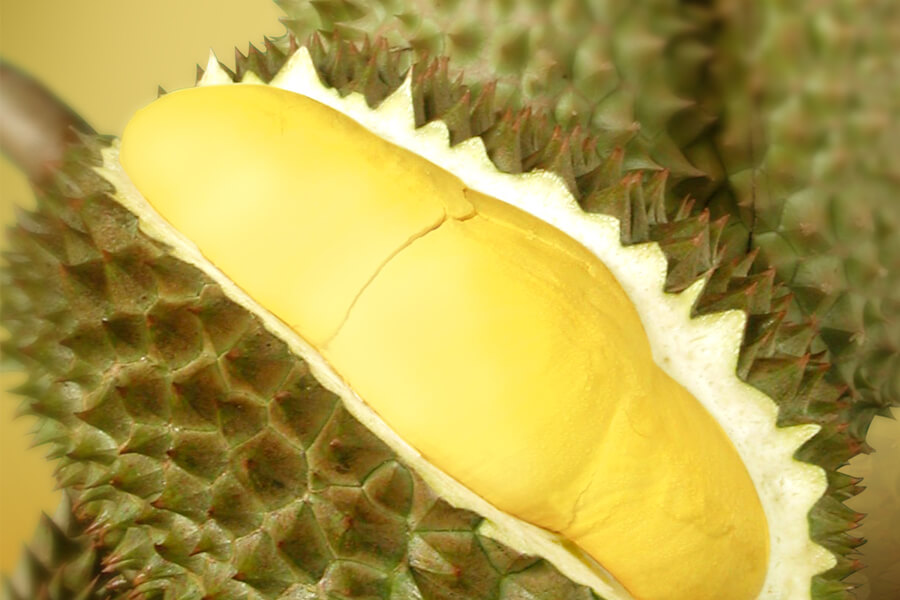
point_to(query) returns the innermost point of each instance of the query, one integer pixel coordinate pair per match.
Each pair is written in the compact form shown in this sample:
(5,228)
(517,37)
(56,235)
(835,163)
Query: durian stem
(36,127)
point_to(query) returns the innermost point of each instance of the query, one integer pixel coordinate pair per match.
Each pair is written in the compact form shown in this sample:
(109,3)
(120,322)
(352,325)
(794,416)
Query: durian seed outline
(788,488)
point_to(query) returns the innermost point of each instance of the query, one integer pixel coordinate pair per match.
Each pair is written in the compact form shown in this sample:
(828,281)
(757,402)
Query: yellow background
(106,58)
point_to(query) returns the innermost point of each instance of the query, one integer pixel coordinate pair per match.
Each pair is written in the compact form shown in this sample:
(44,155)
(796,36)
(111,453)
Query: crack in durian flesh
(495,345)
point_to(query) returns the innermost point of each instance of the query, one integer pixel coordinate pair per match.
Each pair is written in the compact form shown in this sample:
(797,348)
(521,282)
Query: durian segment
(684,347)
(499,348)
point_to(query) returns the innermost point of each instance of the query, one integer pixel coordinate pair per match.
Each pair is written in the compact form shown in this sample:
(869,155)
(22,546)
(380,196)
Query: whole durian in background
(800,153)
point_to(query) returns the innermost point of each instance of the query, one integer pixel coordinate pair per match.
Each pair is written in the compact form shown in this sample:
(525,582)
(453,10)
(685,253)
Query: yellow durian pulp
(495,345)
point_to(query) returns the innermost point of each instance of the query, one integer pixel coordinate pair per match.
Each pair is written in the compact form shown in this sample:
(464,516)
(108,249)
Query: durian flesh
(596,476)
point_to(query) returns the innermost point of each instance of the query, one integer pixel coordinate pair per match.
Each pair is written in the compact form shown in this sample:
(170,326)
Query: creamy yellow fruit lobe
(497,346)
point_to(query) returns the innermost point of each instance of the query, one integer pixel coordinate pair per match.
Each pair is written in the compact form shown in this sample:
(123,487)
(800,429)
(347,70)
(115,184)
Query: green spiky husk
(808,150)
(60,563)
(611,66)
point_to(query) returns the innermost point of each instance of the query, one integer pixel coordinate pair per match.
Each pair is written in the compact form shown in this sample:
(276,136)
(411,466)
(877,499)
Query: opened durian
(221,445)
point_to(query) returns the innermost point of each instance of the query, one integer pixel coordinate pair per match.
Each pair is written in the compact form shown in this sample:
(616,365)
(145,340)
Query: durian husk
(805,145)
(80,261)
(614,67)
(60,563)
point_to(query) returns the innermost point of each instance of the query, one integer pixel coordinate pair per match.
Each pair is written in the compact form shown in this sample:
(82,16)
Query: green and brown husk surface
(203,460)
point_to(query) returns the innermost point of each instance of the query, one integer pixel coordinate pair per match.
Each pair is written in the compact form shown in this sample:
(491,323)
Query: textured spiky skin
(808,146)
(61,563)
(612,66)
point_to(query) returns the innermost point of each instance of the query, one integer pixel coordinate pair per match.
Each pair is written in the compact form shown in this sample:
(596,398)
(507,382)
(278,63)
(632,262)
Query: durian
(111,317)
(61,563)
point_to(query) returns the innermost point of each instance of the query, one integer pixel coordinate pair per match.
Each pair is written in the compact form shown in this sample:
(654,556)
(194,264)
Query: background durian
(640,151)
